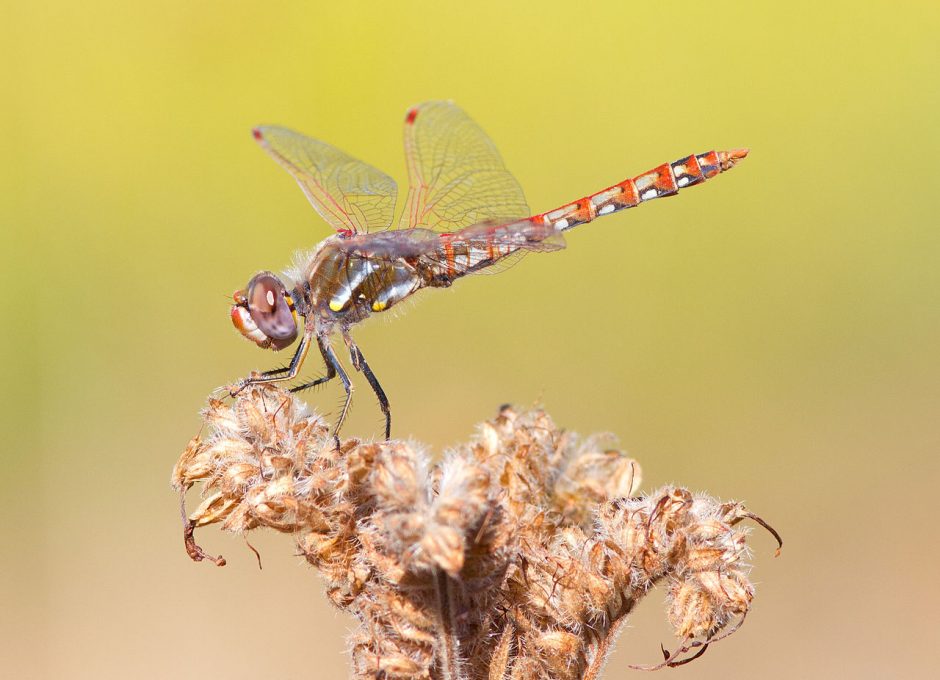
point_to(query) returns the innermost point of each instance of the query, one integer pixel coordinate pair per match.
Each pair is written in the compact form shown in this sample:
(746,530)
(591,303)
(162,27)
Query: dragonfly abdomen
(477,247)
(664,180)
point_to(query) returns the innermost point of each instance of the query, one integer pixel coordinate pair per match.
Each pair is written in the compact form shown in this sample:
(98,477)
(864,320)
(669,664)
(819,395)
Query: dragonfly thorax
(347,283)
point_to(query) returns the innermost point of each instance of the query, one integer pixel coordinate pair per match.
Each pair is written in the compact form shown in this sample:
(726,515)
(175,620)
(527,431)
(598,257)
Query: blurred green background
(771,336)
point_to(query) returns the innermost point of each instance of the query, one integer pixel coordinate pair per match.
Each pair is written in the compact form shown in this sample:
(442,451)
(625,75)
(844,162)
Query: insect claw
(239,387)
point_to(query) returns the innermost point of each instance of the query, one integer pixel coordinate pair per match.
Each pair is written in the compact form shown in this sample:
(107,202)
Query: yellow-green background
(771,336)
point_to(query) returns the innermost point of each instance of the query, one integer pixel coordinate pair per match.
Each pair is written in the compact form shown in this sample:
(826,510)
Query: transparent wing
(456,175)
(440,261)
(486,248)
(349,194)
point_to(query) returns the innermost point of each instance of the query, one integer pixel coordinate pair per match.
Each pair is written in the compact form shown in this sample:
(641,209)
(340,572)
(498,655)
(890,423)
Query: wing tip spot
(256,133)
(412,114)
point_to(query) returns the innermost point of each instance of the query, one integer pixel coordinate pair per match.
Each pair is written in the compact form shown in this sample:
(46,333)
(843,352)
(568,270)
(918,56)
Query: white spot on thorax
(347,287)
(269,297)
(392,294)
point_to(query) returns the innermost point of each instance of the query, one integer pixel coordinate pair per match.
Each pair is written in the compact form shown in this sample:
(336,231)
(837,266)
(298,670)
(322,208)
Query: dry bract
(518,556)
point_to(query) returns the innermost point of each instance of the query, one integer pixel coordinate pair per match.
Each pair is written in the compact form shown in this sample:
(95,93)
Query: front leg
(276,371)
(279,375)
(359,362)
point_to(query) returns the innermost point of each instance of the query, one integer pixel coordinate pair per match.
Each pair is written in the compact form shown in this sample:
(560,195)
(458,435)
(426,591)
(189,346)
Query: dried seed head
(592,477)
(519,556)
(559,651)
(706,602)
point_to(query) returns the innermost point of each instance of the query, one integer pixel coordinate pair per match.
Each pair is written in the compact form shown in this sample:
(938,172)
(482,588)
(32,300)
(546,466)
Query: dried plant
(518,556)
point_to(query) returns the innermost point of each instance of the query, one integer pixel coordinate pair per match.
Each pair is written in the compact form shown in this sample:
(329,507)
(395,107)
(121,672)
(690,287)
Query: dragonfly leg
(333,366)
(276,371)
(333,369)
(359,362)
(278,375)
(330,370)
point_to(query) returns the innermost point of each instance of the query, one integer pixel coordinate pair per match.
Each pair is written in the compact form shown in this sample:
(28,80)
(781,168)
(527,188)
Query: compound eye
(271,309)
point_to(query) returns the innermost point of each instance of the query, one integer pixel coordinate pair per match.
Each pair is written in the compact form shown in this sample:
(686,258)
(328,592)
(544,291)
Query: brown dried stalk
(518,556)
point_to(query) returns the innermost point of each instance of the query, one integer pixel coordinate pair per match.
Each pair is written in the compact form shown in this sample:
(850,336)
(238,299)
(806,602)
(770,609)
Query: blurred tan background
(771,336)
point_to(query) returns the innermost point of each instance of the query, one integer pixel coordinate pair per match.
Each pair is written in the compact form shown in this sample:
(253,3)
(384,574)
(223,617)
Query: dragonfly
(464,213)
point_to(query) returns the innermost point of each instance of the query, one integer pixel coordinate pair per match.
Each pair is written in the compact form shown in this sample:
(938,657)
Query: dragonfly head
(264,312)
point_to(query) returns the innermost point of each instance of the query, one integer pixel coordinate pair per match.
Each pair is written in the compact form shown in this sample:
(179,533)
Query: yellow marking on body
(379,306)
(336,305)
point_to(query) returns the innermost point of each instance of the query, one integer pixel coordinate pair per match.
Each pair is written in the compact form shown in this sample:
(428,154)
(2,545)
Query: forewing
(457,177)
(350,195)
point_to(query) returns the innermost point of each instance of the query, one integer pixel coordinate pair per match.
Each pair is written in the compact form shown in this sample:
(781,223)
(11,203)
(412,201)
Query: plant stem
(448,646)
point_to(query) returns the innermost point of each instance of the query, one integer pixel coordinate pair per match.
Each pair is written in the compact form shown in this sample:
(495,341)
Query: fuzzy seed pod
(518,556)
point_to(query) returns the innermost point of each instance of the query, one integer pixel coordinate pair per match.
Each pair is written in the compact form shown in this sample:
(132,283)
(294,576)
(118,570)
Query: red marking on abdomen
(709,163)
(629,197)
(687,172)
(449,252)
(666,181)
(586,211)
(656,182)
(573,214)
(663,180)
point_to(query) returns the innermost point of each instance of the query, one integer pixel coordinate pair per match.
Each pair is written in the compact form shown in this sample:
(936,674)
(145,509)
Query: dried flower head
(517,556)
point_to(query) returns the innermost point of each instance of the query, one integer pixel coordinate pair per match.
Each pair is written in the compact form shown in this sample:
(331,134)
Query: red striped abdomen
(477,247)
(664,180)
